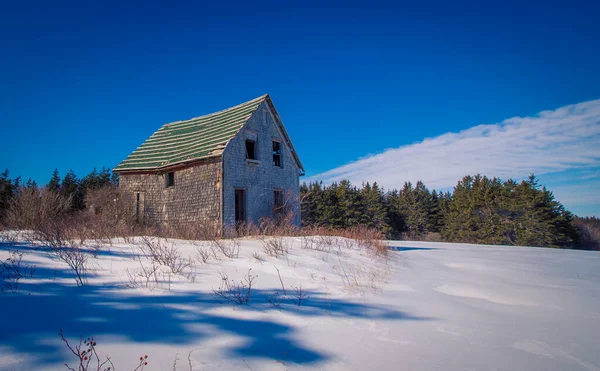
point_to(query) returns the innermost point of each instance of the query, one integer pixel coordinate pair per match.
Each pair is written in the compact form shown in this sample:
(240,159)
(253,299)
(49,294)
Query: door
(139,207)
(240,206)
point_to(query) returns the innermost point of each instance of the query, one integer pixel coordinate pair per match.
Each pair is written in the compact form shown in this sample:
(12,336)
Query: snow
(428,306)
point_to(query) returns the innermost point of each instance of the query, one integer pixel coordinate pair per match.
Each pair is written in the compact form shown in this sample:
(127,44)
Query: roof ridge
(262,97)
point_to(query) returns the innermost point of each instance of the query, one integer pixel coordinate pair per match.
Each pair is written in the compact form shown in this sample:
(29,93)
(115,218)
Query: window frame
(278,155)
(255,147)
(170,179)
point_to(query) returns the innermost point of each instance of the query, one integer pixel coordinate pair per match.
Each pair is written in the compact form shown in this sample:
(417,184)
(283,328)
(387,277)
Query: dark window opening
(137,207)
(170,180)
(250,149)
(276,153)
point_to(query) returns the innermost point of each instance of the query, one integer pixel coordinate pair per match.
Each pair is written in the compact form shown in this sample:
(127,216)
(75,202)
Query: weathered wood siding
(258,179)
(195,197)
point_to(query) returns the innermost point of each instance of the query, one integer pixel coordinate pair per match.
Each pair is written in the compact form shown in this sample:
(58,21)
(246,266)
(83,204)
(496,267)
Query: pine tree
(71,187)
(54,183)
(8,189)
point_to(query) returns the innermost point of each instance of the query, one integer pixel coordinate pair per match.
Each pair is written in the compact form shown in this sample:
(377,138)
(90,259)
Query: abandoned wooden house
(229,167)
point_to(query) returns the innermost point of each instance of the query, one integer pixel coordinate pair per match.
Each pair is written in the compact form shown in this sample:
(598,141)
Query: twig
(280,280)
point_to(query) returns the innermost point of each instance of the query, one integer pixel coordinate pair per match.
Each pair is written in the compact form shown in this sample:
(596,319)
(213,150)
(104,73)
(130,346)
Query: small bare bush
(203,254)
(235,292)
(88,359)
(275,299)
(229,248)
(158,250)
(66,244)
(12,270)
(146,275)
(308,242)
(325,243)
(256,256)
(275,246)
(299,294)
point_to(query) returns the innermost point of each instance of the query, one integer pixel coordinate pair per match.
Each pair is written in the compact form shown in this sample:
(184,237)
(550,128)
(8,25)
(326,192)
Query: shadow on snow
(33,316)
(407,248)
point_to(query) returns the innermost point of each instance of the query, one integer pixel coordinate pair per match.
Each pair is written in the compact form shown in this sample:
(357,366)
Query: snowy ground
(429,306)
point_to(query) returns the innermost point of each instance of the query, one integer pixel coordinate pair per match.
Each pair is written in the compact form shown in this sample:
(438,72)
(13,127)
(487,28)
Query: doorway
(240,206)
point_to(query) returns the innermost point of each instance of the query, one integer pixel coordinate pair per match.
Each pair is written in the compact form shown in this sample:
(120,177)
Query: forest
(479,210)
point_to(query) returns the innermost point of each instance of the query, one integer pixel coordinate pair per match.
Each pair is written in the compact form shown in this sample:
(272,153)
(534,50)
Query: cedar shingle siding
(208,158)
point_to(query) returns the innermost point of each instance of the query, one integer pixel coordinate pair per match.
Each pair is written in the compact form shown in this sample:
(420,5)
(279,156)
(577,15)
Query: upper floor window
(170,179)
(276,153)
(250,149)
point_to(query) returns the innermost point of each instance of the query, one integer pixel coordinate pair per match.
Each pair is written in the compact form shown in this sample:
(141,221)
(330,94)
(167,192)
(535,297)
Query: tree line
(71,187)
(479,210)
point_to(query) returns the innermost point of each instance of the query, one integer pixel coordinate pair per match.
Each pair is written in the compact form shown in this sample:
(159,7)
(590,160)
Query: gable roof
(198,138)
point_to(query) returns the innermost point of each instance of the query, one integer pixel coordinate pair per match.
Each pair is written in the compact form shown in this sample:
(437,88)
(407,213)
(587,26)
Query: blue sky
(82,85)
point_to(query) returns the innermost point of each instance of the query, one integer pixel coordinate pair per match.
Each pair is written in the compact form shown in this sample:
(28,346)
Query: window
(278,201)
(170,179)
(250,149)
(137,207)
(276,153)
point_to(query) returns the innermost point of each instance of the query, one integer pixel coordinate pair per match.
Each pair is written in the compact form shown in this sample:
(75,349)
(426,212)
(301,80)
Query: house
(229,167)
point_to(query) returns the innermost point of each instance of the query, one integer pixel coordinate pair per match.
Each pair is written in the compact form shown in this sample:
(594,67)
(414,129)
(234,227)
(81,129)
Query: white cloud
(552,141)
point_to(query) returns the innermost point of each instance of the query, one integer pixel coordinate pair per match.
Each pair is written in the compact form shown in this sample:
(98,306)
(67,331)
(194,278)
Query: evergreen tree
(373,213)
(8,189)
(71,187)
(54,183)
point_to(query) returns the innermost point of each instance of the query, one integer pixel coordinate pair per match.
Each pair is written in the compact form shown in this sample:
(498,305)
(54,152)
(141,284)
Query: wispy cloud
(550,142)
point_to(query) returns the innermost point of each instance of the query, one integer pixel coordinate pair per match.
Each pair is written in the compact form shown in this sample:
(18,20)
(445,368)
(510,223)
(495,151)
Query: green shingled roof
(197,138)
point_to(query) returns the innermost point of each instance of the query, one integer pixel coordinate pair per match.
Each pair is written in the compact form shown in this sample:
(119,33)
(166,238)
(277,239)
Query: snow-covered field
(428,306)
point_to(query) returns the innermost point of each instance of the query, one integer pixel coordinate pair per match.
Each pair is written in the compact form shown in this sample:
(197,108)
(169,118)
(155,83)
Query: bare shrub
(203,254)
(196,230)
(158,250)
(12,270)
(146,275)
(235,292)
(88,359)
(165,261)
(308,242)
(358,236)
(33,206)
(241,230)
(325,243)
(275,299)
(279,226)
(229,248)
(275,246)
(9,237)
(111,213)
(369,238)
(256,256)
(299,294)
(62,238)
